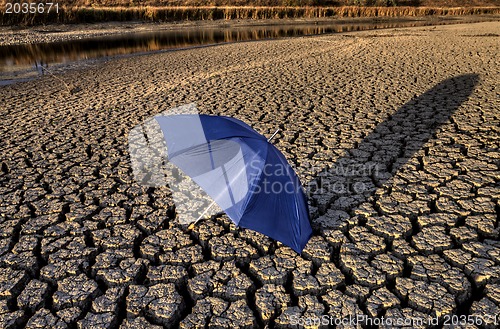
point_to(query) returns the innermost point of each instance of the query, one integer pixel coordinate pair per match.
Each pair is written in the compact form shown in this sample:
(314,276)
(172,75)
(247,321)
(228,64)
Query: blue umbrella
(248,177)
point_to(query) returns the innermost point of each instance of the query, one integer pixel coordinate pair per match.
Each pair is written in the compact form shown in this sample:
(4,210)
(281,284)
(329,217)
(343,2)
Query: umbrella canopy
(243,173)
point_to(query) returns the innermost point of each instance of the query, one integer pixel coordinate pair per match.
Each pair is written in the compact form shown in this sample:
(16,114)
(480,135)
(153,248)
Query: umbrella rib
(191,226)
(228,183)
(211,156)
(214,202)
(172,155)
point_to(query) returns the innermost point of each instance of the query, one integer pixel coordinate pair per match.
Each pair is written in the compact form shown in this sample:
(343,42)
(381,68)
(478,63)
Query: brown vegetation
(93,11)
(82,14)
(271,3)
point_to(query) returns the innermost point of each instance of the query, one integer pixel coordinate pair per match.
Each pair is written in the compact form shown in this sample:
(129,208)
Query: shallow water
(24,62)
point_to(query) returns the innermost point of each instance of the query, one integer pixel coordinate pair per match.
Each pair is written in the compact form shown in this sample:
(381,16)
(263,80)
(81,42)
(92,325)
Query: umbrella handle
(192,225)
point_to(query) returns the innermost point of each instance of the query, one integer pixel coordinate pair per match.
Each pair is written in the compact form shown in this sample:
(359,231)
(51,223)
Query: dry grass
(271,3)
(149,13)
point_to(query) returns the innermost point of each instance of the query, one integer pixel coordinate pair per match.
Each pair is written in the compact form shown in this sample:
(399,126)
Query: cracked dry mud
(84,246)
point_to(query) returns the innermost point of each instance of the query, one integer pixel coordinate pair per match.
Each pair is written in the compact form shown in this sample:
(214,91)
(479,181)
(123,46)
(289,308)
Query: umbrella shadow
(340,189)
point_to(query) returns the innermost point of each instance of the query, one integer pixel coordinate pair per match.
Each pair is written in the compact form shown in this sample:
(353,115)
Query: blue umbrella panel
(248,177)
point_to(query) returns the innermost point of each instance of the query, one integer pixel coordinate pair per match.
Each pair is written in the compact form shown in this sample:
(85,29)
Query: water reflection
(22,62)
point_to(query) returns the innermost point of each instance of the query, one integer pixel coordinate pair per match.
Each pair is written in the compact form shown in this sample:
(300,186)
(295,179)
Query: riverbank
(74,15)
(67,32)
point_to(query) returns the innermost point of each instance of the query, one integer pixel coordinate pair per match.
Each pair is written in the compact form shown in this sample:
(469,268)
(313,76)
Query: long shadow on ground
(354,178)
